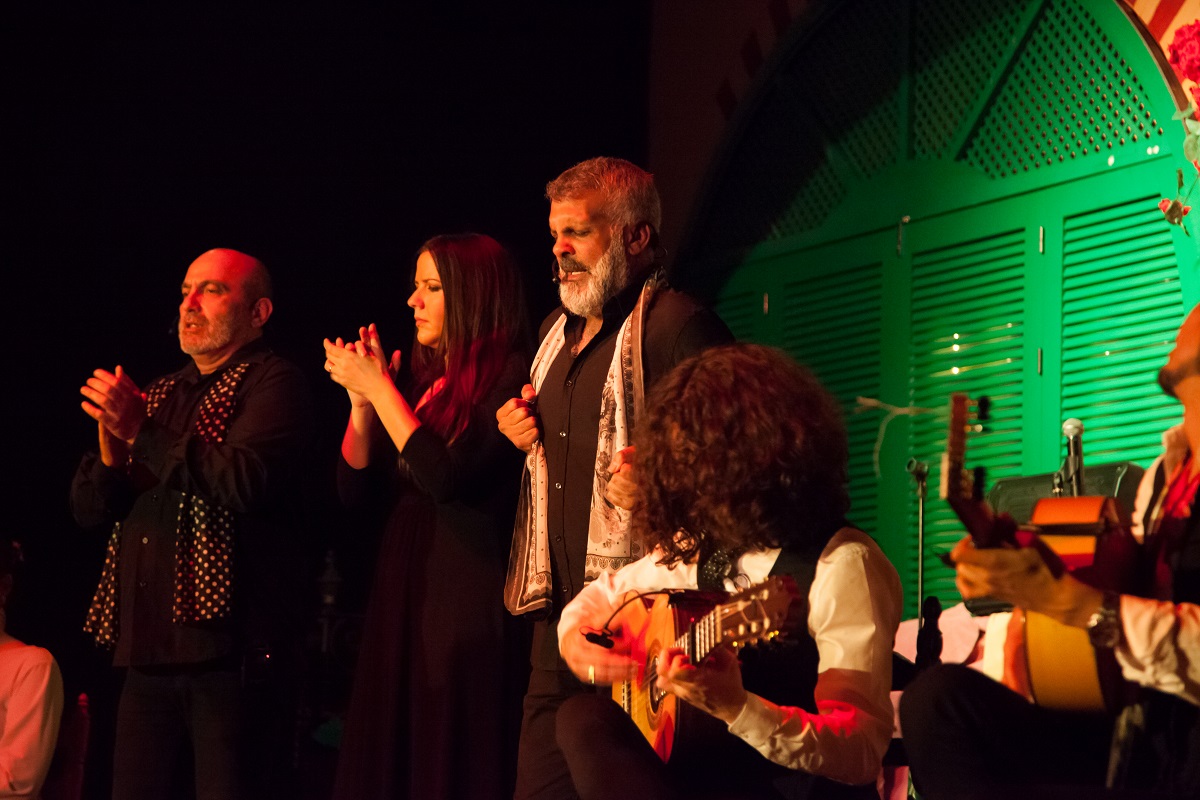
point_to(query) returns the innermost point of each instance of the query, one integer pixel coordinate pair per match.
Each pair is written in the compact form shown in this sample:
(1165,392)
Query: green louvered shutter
(1004,168)
(818,312)
(741,312)
(1121,307)
(967,336)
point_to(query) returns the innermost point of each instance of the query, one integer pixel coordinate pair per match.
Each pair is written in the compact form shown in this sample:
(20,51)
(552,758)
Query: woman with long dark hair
(434,709)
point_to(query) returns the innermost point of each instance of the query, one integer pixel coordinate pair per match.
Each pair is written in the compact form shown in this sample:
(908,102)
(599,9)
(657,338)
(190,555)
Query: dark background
(330,144)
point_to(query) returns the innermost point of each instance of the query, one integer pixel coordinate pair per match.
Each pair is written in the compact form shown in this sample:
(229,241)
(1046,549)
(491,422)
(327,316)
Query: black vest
(785,672)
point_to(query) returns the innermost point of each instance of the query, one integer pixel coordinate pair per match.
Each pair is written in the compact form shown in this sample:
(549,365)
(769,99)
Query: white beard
(605,280)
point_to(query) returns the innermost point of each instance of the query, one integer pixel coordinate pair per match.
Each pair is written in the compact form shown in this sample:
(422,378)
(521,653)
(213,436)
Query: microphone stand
(920,472)
(1072,469)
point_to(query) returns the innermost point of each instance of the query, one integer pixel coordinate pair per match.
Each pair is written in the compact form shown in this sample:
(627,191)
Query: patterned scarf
(529,584)
(203,535)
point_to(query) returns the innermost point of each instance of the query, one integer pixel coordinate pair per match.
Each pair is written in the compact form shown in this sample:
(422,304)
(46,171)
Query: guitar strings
(696,630)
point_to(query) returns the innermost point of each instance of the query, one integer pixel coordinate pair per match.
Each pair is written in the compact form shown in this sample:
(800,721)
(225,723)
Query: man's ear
(637,238)
(260,312)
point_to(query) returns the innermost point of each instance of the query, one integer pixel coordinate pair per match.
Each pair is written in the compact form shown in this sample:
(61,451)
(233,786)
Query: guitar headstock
(956,485)
(760,612)
(963,489)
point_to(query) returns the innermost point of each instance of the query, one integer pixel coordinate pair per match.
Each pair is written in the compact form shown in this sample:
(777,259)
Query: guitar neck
(690,621)
(963,490)
(702,636)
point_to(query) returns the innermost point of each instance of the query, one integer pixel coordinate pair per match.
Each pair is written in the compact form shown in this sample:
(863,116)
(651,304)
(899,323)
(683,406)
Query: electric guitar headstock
(963,489)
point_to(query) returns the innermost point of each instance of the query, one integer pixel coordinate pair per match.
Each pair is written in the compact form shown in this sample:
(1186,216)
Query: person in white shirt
(31,701)
(968,736)
(741,474)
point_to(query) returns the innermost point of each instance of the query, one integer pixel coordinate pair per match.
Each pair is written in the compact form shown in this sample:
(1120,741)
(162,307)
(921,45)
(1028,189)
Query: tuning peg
(978,481)
(983,409)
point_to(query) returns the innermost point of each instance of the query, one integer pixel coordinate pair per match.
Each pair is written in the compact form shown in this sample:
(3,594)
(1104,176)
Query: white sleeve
(855,610)
(1160,648)
(594,605)
(30,726)
(1143,499)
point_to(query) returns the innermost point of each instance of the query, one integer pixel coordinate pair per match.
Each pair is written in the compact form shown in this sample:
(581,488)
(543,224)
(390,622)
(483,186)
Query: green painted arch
(918,198)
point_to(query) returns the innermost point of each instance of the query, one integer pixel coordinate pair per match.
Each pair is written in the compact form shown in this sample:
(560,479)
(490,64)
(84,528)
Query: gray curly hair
(629,189)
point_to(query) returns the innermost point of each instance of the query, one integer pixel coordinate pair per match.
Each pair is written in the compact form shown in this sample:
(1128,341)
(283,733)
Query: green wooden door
(960,202)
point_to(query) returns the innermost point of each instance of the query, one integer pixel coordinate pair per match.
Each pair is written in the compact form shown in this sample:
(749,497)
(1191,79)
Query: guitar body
(1052,664)
(1061,669)
(697,622)
(655,628)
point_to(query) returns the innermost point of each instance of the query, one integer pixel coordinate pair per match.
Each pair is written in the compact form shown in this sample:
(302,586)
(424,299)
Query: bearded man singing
(620,329)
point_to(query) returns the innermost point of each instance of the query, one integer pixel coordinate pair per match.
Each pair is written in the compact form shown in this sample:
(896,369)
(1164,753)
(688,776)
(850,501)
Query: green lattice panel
(956,58)
(1070,95)
(763,183)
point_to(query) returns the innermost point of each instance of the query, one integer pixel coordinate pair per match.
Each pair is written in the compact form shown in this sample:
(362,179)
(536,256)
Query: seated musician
(31,700)
(967,736)
(741,474)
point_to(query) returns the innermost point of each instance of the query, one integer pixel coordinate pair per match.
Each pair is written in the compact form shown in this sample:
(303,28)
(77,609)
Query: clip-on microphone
(602,638)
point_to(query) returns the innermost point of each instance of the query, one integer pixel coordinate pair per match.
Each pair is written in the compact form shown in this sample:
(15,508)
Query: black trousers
(201,727)
(609,759)
(541,771)
(968,736)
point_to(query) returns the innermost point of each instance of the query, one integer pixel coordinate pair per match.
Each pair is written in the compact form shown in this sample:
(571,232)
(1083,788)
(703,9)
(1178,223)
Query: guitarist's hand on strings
(715,686)
(1025,577)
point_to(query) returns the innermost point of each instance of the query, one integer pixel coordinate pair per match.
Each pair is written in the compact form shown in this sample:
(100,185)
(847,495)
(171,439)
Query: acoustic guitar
(697,622)
(1052,664)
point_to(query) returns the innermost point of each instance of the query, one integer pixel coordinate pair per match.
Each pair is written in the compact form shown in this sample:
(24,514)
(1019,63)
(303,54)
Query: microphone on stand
(1073,467)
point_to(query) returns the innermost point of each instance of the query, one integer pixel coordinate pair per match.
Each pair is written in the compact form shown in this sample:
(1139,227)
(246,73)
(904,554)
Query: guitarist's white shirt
(1160,645)
(854,609)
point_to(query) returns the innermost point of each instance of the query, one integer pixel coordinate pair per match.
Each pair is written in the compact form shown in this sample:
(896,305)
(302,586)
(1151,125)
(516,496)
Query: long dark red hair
(484,324)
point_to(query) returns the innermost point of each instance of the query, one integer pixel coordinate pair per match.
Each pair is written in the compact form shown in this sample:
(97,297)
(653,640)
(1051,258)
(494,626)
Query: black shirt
(249,473)
(676,328)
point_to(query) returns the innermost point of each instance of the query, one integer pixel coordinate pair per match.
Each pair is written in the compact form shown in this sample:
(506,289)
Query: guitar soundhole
(656,698)
(653,693)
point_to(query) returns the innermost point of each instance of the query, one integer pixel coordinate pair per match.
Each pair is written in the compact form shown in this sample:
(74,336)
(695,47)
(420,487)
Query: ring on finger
(592,674)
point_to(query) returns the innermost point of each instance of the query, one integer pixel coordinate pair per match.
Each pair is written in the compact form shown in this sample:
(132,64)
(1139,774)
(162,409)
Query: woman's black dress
(442,666)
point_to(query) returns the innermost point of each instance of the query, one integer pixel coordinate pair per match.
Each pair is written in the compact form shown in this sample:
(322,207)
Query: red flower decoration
(1185,51)
(1174,210)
